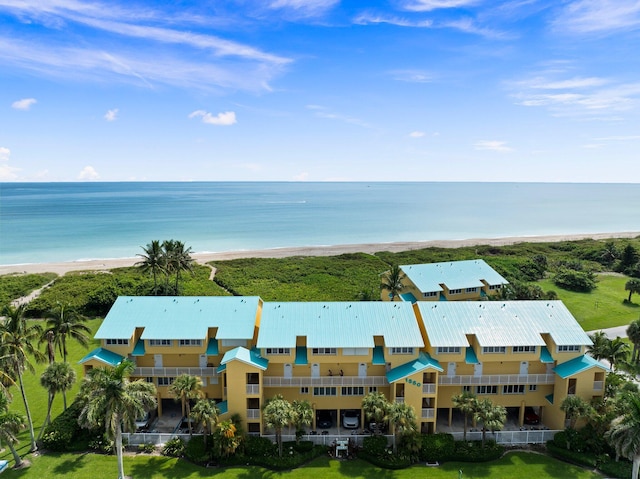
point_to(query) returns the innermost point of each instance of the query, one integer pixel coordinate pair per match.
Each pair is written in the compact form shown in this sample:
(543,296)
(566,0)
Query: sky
(320,90)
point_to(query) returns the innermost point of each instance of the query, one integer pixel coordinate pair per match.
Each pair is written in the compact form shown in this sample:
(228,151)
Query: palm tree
(56,378)
(624,434)
(18,339)
(467,404)
(278,413)
(491,416)
(403,418)
(633,333)
(10,426)
(376,408)
(113,401)
(205,412)
(633,286)
(177,259)
(65,323)
(153,260)
(598,350)
(392,281)
(302,415)
(574,408)
(185,388)
(227,439)
(616,351)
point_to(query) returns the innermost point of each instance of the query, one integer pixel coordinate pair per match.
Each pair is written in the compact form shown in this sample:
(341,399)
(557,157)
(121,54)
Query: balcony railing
(253,413)
(428,413)
(253,389)
(399,399)
(598,385)
(497,379)
(429,388)
(279,381)
(147,372)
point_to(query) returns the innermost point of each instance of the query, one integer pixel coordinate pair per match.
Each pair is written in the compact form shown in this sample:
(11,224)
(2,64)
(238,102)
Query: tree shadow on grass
(70,465)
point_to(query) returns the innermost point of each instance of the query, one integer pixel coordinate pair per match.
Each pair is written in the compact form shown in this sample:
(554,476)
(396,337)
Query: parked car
(351,419)
(143,422)
(530,416)
(324,420)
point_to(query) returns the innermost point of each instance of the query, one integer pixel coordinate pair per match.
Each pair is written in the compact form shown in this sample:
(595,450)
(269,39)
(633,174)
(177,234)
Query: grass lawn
(601,308)
(80,466)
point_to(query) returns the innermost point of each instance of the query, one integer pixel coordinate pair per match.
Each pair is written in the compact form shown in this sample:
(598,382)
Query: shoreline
(62,268)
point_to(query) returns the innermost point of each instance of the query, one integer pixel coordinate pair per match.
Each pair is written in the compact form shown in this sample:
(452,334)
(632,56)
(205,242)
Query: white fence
(510,437)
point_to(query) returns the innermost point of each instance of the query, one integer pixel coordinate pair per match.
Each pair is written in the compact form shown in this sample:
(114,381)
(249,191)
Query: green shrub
(611,468)
(582,459)
(149,448)
(580,281)
(195,450)
(437,447)
(472,451)
(374,445)
(60,434)
(256,446)
(174,447)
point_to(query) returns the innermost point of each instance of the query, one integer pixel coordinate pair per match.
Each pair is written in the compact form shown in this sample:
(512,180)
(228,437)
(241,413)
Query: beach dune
(106,264)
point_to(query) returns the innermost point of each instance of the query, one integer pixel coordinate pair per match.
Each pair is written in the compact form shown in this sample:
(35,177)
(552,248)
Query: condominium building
(521,354)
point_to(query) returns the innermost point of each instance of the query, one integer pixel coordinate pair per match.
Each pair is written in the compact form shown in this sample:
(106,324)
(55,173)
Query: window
(355,351)
(118,342)
(568,348)
(279,351)
(471,290)
(165,381)
(324,351)
(231,343)
(455,291)
(524,349)
(430,294)
(449,350)
(401,350)
(494,350)
(353,391)
(486,389)
(191,342)
(149,379)
(513,389)
(373,389)
(160,342)
(325,391)
(533,387)
(495,286)
(466,389)
(304,390)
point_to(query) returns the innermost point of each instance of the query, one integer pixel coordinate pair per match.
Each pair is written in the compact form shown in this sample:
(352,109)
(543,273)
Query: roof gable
(429,277)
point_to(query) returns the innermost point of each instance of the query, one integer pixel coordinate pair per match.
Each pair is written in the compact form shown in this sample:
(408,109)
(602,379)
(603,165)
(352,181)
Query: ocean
(54,222)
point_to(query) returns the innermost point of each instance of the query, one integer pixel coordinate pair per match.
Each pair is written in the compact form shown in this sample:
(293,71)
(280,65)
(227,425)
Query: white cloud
(111,115)
(322,112)
(411,76)
(367,18)
(304,8)
(303,176)
(493,145)
(428,5)
(4,153)
(7,172)
(221,119)
(24,104)
(88,173)
(599,16)
(417,134)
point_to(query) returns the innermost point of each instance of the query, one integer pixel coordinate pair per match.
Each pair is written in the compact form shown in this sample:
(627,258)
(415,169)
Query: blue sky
(320,90)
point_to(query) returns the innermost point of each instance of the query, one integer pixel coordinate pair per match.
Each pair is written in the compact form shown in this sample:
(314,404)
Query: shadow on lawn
(70,465)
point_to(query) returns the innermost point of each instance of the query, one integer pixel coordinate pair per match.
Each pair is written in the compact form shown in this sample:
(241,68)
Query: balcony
(497,379)
(429,388)
(428,413)
(253,413)
(253,389)
(148,372)
(279,381)
(400,399)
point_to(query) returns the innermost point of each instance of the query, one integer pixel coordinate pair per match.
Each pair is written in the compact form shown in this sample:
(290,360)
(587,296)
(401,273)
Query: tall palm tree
(492,416)
(466,402)
(392,281)
(624,434)
(185,388)
(403,418)
(633,333)
(18,339)
(598,350)
(575,408)
(206,412)
(376,408)
(153,260)
(227,439)
(277,414)
(633,286)
(10,426)
(56,378)
(181,260)
(616,351)
(302,415)
(111,400)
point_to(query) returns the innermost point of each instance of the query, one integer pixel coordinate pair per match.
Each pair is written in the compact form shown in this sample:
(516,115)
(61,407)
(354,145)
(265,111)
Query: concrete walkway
(613,333)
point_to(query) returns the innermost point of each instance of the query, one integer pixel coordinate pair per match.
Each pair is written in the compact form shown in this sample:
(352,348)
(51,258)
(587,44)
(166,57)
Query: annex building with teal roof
(520,354)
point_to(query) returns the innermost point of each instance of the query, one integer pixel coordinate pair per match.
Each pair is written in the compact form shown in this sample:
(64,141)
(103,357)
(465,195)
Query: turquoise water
(46,222)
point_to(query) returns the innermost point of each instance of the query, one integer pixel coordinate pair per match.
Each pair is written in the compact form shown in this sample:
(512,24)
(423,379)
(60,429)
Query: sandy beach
(106,264)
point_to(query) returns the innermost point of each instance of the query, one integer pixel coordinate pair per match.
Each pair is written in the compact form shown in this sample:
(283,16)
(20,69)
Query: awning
(212,347)
(301,356)
(378,356)
(470,356)
(139,349)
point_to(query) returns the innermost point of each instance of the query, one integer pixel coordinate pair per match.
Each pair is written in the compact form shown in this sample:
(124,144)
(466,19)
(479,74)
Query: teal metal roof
(454,274)
(408,297)
(181,317)
(500,323)
(470,356)
(577,365)
(378,356)
(221,368)
(223,407)
(251,357)
(103,355)
(338,324)
(545,355)
(301,356)
(549,398)
(139,349)
(212,347)
(423,362)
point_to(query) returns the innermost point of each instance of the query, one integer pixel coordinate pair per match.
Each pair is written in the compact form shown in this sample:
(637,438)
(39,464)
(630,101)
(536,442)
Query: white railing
(497,379)
(429,388)
(428,413)
(253,413)
(598,385)
(279,381)
(253,389)
(147,372)
(399,399)
(134,439)
(511,437)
